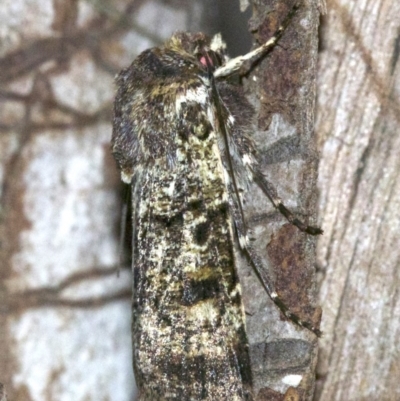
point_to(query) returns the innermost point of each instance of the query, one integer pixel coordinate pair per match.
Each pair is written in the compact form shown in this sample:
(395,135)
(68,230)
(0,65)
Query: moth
(182,140)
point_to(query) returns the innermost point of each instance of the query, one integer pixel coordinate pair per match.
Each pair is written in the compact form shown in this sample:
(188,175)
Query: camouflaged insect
(182,139)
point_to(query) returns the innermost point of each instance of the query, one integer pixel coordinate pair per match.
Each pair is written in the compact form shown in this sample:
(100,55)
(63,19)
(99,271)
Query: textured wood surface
(358,118)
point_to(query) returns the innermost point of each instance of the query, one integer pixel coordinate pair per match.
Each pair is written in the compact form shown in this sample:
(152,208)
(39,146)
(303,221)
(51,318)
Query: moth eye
(203,60)
(210,59)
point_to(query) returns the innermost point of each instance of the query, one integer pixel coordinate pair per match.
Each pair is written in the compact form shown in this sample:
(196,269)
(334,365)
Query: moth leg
(238,64)
(272,194)
(262,271)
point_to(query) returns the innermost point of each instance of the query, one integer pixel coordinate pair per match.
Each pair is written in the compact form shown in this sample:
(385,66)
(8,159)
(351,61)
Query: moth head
(210,53)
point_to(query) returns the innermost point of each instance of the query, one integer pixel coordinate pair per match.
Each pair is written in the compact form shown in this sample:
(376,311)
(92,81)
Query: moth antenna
(272,194)
(222,126)
(263,274)
(267,284)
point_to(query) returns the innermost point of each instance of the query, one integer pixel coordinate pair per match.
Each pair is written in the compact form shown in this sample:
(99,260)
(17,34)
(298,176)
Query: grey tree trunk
(358,132)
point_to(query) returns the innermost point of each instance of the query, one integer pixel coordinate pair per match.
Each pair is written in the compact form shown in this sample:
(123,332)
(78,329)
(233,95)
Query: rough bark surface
(358,132)
(282,87)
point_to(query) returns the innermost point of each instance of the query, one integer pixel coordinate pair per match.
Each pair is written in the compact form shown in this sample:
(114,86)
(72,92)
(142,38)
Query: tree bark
(358,133)
(282,88)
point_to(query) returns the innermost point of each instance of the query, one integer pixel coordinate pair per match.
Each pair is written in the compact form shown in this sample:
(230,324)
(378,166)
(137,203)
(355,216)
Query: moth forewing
(182,136)
(189,334)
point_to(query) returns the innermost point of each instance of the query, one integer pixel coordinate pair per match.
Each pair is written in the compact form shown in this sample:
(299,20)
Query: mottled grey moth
(182,140)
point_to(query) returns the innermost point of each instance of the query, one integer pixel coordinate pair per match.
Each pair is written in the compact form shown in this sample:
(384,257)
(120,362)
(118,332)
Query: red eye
(206,60)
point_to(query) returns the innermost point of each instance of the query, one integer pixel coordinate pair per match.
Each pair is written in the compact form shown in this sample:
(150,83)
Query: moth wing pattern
(182,139)
(189,334)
